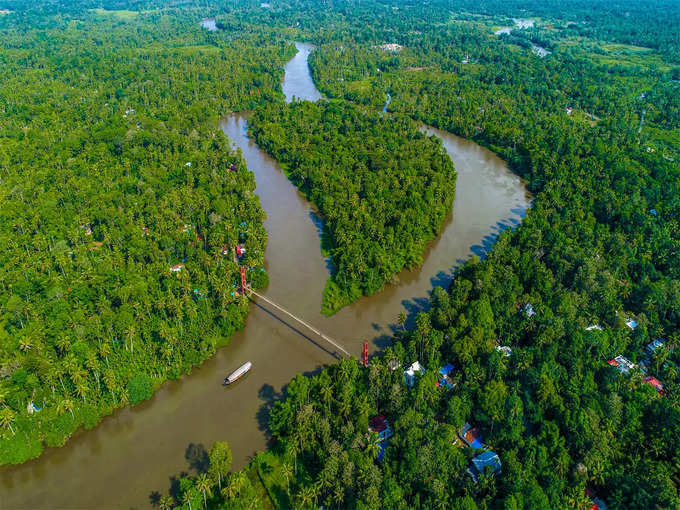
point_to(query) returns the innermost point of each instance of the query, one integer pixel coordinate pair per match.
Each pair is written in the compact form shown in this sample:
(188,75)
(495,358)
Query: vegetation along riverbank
(382,187)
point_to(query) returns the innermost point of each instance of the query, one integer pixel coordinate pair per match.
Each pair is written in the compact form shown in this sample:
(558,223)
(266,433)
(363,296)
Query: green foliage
(382,187)
(599,245)
(112,171)
(139,388)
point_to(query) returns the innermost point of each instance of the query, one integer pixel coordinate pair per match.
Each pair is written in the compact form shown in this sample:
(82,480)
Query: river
(521,24)
(137,450)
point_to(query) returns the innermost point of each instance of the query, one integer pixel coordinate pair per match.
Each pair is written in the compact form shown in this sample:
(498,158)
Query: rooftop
(488,458)
(378,423)
(472,436)
(622,364)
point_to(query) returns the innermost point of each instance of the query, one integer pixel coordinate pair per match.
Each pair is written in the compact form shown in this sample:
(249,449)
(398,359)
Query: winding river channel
(137,450)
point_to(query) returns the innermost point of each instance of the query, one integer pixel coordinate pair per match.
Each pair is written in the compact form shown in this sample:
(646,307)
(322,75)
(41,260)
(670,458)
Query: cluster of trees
(119,196)
(383,188)
(213,485)
(598,144)
(102,142)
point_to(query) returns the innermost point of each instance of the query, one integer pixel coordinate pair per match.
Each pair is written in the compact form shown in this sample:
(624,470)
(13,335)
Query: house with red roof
(654,382)
(380,426)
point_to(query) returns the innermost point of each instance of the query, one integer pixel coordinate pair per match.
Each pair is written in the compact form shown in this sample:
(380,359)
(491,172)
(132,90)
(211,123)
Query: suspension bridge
(247,291)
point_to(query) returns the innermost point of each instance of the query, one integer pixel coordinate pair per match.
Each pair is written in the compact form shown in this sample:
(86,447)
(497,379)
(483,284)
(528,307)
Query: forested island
(545,376)
(382,187)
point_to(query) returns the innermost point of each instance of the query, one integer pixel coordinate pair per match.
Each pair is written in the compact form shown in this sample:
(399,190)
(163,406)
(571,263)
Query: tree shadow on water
(268,395)
(154,498)
(197,457)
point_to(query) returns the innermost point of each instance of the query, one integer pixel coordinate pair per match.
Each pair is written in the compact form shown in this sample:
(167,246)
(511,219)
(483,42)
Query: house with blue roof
(446,380)
(480,463)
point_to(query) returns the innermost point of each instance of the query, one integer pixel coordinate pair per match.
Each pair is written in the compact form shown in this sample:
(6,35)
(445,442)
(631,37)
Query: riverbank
(139,449)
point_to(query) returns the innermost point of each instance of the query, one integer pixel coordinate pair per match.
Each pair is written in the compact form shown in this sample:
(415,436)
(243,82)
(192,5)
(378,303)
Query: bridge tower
(243,280)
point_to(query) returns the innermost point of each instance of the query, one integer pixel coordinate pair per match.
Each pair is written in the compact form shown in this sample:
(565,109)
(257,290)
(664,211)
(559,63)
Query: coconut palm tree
(65,405)
(373,446)
(7,417)
(327,394)
(186,498)
(306,496)
(204,485)
(287,472)
(165,503)
(292,449)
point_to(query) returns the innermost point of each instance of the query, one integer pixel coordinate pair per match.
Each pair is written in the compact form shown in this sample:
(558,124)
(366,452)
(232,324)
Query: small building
(446,372)
(471,436)
(87,229)
(32,408)
(176,268)
(396,48)
(622,364)
(186,228)
(569,110)
(393,364)
(188,163)
(505,350)
(597,503)
(653,211)
(145,230)
(592,327)
(240,250)
(631,323)
(410,373)
(528,310)
(654,345)
(654,382)
(481,462)
(380,426)
(225,250)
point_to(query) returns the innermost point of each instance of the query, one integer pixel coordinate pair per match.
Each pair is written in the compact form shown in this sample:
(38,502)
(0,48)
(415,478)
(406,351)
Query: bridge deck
(298,319)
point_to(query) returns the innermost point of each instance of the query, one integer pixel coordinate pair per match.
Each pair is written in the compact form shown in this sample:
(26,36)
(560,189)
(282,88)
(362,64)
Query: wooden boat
(238,373)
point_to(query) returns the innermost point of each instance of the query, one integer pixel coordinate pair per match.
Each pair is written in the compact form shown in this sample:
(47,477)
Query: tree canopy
(383,188)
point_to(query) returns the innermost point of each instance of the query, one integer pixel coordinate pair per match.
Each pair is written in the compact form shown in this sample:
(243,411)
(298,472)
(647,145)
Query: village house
(505,350)
(480,463)
(622,364)
(654,345)
(471,436)
(410,373)
(446,372)
(177,268)
(392,47)
(380,426)
(653,381)
(393,364)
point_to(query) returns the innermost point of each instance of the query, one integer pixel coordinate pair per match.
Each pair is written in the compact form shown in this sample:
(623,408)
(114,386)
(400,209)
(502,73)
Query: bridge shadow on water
(299,332)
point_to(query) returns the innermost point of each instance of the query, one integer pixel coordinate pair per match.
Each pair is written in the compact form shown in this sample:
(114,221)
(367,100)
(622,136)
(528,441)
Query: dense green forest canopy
(92,318)
(383,187)
(594,128)
(122,204)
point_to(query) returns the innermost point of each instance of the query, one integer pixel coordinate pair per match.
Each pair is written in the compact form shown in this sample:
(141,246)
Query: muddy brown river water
(137,450)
